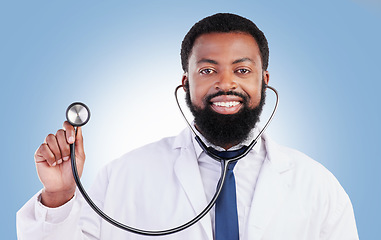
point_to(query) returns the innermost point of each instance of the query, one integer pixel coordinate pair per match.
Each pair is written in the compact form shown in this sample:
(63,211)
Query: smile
(226,104)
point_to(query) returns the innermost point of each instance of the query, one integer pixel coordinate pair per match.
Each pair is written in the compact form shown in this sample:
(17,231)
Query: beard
(226,129)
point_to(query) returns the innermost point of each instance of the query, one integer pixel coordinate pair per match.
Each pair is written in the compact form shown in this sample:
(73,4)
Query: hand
(53,165)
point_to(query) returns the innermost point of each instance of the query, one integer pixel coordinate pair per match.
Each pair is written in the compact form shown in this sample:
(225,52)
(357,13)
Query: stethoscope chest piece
(77,114)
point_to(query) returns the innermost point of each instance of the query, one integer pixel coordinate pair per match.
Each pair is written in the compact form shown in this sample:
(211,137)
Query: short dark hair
(224,23)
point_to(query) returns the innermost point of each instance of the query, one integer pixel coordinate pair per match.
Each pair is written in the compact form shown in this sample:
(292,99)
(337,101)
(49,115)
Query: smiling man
(271,193)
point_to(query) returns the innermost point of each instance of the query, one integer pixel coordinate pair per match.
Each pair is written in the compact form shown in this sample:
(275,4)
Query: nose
(226,82)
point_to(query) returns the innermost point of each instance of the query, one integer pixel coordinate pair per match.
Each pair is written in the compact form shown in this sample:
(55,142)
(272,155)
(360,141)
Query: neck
(228,146)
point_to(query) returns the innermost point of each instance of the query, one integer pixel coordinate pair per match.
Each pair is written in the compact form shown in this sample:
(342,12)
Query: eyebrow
(243,60)
(205,60)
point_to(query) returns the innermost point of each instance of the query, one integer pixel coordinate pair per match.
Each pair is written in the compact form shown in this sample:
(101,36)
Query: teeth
(226,104)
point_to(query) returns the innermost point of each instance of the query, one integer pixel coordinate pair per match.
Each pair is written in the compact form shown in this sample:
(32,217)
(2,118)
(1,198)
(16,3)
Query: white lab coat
(159,186)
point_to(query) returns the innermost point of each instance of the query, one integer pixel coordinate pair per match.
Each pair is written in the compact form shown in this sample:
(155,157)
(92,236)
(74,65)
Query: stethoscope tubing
(224,166)
(120,225)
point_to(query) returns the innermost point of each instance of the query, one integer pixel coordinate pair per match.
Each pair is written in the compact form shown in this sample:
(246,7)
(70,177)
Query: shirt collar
(253,133)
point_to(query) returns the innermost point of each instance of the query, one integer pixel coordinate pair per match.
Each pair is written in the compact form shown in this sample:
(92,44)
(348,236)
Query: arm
(54,213)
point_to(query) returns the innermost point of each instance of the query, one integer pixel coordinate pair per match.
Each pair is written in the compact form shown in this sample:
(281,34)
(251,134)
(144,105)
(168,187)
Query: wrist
(56,199)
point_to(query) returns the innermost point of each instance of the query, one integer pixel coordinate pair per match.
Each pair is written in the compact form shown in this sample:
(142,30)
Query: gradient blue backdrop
(122,57)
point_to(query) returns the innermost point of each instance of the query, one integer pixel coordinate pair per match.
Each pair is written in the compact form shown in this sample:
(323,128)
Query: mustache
(244,97)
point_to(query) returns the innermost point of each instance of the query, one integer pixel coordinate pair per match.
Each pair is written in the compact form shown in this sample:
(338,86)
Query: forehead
(225,46)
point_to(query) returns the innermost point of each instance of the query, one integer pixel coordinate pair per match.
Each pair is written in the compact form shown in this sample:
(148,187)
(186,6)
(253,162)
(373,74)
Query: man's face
(224,78)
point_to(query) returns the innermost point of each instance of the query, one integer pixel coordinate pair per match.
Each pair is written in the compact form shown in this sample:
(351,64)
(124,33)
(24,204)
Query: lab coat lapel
(271,189)
(188,173)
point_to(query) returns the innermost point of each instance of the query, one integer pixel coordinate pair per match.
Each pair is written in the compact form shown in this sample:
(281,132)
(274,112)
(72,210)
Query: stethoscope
(78,114)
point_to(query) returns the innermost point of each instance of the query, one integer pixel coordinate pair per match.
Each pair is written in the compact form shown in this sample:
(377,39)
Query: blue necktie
(226,217)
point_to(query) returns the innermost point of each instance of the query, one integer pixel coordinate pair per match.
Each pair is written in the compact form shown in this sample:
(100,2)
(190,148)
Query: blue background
(122,58)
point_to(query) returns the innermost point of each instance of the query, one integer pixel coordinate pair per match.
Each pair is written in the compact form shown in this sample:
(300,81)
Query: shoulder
(287,157)
(305,171)
(306,175)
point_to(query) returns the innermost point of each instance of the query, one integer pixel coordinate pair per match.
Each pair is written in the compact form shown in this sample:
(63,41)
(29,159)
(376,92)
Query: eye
(206,71)
(243,71)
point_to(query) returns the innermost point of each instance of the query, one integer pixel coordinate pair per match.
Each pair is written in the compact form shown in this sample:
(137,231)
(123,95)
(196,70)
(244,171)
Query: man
(276,192)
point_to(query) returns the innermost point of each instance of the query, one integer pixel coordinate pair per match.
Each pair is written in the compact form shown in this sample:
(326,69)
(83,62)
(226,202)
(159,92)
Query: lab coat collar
(247,142)
(275,152)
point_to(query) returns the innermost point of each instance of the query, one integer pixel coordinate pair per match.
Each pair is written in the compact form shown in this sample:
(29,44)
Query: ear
(184,81)
(266,77)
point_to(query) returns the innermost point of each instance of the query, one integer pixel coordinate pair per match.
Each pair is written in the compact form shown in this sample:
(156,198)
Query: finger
(63,145)
(43,154)
(70,132)
(51,140)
